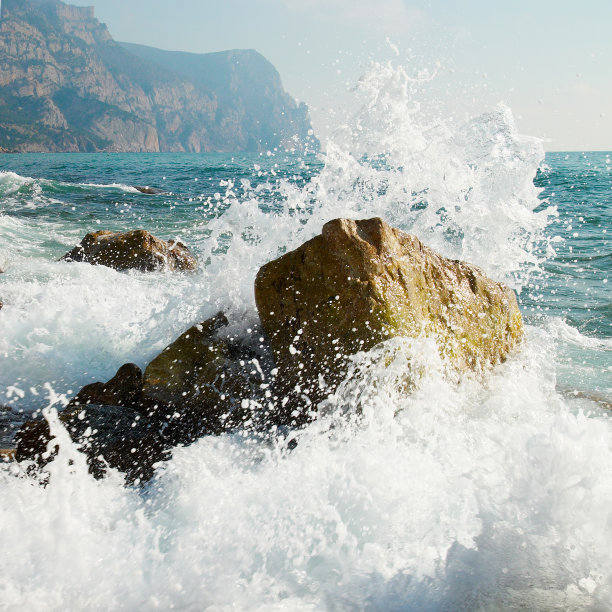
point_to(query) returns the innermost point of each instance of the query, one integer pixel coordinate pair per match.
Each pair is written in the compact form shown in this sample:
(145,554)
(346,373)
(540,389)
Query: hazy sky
(549,60)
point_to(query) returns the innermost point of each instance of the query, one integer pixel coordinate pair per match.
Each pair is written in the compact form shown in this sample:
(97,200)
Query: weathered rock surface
(202,382)
(138,250)
(115,435)
(361,282)
(123,389)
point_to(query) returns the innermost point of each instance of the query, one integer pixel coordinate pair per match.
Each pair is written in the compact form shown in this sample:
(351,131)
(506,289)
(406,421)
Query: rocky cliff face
(66,85)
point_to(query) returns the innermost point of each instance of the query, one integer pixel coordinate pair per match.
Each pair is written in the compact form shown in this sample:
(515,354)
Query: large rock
(116,436)
(361,282)
(203,382)
(137,250)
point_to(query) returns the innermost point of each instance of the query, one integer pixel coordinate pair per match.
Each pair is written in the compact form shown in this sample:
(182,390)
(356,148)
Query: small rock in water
(362,282)
(137,250)
(148,190)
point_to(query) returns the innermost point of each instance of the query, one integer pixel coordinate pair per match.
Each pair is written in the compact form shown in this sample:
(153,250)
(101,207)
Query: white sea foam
(119,186)
(559,329)
(456,496)
(466,190)
(10,182)
(72,323)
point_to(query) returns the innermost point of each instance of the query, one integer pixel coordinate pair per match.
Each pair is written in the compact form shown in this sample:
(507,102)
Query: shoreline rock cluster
(355,285)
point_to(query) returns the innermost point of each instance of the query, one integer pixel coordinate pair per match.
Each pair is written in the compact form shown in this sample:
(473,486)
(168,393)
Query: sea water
(478,494)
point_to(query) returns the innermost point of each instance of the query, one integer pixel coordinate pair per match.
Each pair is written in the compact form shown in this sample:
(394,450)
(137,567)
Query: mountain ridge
(67,85)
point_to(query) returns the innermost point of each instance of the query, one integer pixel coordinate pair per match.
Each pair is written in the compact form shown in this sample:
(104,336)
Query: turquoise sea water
(482,495)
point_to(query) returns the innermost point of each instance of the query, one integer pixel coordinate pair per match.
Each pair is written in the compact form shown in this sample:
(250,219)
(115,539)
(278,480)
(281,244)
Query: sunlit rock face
(362,282)
(137,250)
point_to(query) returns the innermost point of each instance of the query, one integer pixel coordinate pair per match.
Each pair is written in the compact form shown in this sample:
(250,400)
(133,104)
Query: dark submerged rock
(31,441)
(10,422)
(137,250)
(148,190)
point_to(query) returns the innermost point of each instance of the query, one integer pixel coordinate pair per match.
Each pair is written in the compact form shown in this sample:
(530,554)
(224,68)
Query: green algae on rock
(361,282)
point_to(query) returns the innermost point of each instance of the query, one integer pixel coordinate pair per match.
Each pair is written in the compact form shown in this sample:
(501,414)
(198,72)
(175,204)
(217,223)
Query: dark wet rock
(123,438)
(31,441)
(362,282)
(114,436)
(148,190)
(138,250)
(123,389)
(205,382)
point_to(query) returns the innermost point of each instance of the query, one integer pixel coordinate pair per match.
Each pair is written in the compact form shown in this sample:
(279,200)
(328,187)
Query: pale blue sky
(549,60)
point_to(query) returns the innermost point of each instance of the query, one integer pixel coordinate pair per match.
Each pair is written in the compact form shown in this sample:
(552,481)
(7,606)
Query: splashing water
(448,494)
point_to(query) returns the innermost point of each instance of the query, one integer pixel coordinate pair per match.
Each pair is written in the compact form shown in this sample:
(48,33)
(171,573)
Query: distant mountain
(66,85)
